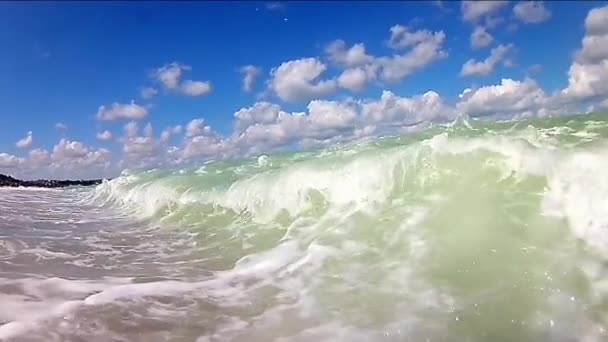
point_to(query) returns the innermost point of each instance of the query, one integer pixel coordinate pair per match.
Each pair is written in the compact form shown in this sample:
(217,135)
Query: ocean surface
(469,231)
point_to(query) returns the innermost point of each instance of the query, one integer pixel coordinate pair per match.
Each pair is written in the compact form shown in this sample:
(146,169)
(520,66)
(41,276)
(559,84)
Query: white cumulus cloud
(298,80)
(148,92)
(355,78)
(418,48)
(131,129)
(205,143)
(249,72)
(474,10)
(170,76)
(121,111)
(141,151)
(480,37)
(61,126)
(9,161)
(393,110)
(38,158)
(402,37)
(509,98)
(265,126)
(588,74)
(195,88)
(195,127)
(339,53)
(26,141)
(531,11)
(473,67)
(73,159)
(170,131)
(105,135)
(423,47)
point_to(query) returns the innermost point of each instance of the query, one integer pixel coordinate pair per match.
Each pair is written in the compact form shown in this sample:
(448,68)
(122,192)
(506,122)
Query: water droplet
(551,323)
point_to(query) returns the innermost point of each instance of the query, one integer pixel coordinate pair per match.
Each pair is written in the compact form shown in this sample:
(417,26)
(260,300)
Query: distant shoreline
(8,181)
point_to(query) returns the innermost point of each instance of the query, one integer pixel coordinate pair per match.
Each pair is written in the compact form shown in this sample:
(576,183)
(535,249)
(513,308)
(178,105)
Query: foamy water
(473,231)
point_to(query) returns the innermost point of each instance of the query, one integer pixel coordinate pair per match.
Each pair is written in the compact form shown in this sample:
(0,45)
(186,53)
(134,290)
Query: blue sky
(62,61)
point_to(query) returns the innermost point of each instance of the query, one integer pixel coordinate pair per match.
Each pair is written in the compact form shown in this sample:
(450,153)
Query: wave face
(472,231)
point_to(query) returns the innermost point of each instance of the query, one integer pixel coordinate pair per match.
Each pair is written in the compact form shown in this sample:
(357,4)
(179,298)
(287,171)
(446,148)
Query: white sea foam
(578,192)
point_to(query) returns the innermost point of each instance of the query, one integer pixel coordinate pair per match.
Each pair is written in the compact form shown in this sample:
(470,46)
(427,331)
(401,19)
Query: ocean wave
(445,233)
(367,176)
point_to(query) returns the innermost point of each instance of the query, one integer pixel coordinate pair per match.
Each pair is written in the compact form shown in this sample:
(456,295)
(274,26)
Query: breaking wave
(469,231)
(563,165)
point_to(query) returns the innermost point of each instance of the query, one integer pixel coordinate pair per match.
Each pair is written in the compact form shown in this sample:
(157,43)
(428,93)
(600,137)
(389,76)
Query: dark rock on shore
(8,181)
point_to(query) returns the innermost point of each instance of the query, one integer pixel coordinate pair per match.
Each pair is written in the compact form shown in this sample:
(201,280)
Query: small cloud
(9,161)
(508,63)
(195,127)
(493,21)
(354,79)
(105,135)
(26,141)
(170,76)
(480,37)
(275,6)
(442,6)
(169,131)
(148,130)
(121,110)
(464,93)
(249,72)
(299,80)
(195,88)
(531,12)
(61,126)
(473,11)
(339,53)
(485,67)
(148,92)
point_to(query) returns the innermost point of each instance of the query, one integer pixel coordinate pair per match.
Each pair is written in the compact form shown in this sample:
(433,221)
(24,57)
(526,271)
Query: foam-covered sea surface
(469,231)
